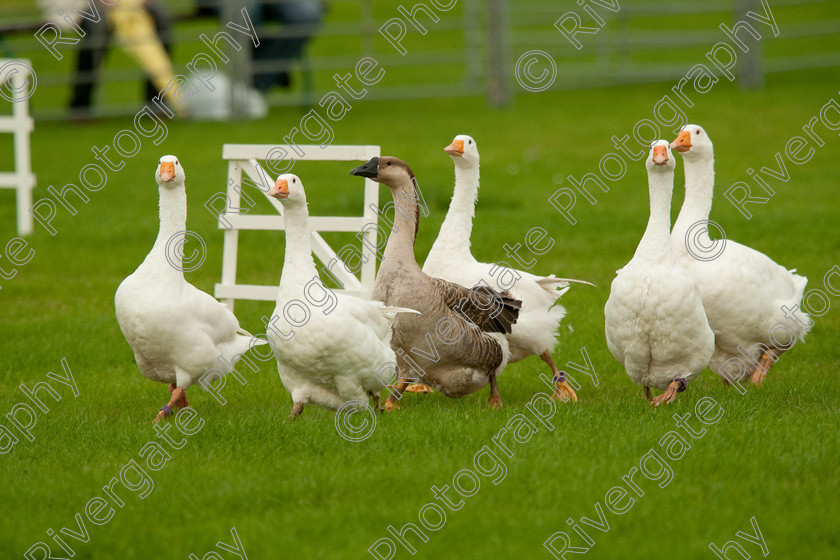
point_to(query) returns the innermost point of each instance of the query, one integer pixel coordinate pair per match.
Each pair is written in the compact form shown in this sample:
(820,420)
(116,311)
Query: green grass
(301,490)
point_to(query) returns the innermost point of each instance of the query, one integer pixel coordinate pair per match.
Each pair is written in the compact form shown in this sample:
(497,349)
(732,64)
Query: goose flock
(672,311)
(445,326)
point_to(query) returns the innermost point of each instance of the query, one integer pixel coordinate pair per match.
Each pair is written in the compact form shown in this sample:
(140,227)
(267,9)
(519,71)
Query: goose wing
(490,310)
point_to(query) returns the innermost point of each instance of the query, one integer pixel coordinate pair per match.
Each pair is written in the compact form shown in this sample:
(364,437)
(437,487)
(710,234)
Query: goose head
(387,170)
(463,150)
(660,157)
(169,173)
(288,189)
(693,142)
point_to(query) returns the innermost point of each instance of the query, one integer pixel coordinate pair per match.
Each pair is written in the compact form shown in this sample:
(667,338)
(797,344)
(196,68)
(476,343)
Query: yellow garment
(136,32)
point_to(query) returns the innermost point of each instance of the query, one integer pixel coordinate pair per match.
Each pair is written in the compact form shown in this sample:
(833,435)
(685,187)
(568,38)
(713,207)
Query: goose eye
(470,141)
(697,132)
(294,180)
(387,163)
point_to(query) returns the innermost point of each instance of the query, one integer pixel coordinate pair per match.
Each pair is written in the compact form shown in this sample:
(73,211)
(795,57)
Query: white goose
(654,320)
(331,348)
(177,332)
(748,298)
(451,259)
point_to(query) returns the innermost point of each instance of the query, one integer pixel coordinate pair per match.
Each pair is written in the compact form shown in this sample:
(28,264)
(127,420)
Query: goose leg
(764,364)
(391,401)
(410,387)
(297,408)
(495,401)
(670,394)
(177,400)
(647,393)
(375,398)
(182,401)
(564,391)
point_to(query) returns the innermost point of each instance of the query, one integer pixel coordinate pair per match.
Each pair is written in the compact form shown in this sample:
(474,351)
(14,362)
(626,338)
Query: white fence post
(20,124)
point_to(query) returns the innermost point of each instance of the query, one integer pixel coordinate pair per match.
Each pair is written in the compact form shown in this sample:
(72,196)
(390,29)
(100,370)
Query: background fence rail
(471,50)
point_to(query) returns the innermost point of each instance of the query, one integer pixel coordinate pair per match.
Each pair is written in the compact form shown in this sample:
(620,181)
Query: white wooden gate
(20,124)
(244,158)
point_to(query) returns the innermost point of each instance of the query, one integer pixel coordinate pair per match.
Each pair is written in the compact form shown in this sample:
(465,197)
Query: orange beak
(660,155)
(456,148)
(683,142)
(167,171)
(280,189)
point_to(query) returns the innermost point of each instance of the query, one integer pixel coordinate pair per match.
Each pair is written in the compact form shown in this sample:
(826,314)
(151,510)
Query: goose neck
(399,250)
(657,238)
(457,226)
(699,189)
(298,264)
(168,250)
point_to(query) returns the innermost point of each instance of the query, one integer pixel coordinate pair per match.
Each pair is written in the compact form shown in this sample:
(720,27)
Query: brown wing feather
(488,309)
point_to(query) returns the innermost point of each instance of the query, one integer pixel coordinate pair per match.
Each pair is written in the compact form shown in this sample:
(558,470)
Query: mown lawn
(300,490)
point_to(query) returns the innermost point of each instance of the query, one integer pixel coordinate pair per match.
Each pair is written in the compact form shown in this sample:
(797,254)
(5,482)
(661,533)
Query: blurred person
(141,27)
(274,56)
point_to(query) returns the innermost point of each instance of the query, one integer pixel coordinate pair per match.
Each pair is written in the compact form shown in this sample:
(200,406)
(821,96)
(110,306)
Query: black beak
(369,169)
